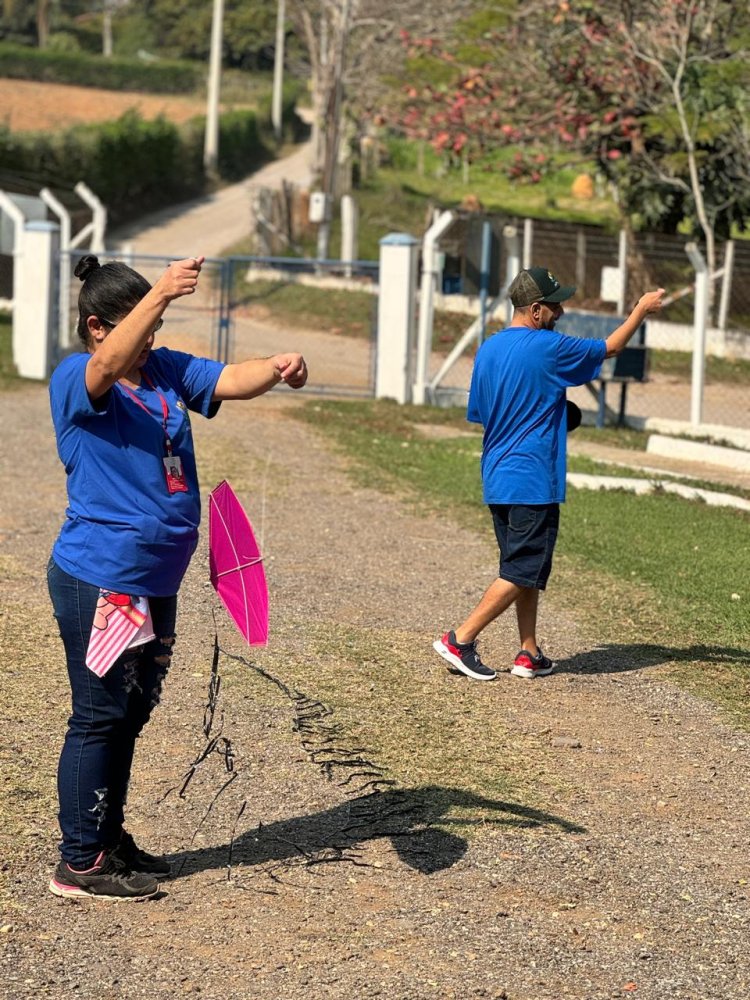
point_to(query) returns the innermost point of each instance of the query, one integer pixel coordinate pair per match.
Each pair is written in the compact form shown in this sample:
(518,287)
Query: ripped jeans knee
(144,675)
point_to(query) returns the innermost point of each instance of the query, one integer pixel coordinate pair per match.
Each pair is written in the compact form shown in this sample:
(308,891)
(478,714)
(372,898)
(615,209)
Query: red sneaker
(530,666)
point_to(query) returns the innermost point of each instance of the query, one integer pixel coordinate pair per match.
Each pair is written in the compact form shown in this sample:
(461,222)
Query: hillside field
(28,105)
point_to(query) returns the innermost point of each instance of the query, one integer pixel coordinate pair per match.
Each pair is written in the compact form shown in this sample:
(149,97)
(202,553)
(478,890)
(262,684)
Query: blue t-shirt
(518,394)
(123,530)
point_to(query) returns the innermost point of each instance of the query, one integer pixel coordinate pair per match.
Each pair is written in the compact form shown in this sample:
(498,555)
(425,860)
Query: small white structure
(396,314)
(36,301)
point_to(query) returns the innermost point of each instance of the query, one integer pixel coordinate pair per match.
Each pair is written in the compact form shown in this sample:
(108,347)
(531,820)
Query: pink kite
(236,566)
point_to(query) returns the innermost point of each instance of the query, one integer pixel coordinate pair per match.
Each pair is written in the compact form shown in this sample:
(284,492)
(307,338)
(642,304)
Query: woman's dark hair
(109,291)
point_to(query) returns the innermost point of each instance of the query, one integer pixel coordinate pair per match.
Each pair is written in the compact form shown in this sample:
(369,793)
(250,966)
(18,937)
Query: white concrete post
(349,232)
(278,71)
(726,284)
(396,302)
(528,242)
(512,264)
(35,312)
(18,219)
(622,266)
(211,138)
(64,283)
(430,273)
(99,220)
(700,323)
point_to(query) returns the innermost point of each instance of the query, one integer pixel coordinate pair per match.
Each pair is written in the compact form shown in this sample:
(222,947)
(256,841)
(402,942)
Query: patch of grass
(350,314)
(678,364)
(662,566)
(615,437)
(690,554)
(344,313)
(8,374)
(551,198)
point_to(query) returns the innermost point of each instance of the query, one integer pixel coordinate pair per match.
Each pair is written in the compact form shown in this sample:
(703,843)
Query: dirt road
(578,838)
(609,860)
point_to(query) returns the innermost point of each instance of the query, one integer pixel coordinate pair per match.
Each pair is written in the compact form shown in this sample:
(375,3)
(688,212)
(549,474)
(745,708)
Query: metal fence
(578,255)
(240,311)
(267,307)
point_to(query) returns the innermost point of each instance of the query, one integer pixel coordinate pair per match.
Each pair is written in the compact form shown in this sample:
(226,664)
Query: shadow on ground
(611,658)
(414,820)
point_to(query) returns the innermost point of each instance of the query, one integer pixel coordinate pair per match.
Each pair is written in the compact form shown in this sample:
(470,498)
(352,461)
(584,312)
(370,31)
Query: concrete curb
(641,487)
(695,451)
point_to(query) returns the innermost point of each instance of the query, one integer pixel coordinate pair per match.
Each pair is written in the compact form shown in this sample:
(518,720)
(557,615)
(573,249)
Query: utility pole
(211,147)
(107,29)
(278,71)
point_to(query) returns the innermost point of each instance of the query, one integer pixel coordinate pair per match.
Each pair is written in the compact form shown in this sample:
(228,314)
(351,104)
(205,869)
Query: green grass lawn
(655,573)
(679,365)
(349,314)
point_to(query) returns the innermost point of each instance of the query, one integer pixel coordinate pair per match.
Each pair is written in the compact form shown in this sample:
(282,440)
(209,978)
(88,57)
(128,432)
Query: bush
(135,166)
(116,73)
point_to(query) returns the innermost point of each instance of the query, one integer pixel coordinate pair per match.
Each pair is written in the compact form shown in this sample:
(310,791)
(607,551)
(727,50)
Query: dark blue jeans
(108,715)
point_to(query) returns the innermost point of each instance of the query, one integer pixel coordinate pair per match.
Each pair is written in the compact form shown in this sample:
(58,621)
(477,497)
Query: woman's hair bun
(85,266)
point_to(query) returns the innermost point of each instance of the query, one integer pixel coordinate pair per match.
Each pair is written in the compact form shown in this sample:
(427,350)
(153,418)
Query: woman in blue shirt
(121,416)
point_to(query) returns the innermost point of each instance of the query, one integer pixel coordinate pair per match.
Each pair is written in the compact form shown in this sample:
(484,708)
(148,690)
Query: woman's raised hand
(181,277)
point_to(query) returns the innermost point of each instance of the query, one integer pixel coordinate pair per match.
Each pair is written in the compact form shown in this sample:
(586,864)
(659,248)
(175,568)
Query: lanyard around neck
(164,407)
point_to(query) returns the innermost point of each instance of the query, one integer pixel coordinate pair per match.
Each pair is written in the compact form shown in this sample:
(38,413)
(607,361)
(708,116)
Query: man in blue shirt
(517,393)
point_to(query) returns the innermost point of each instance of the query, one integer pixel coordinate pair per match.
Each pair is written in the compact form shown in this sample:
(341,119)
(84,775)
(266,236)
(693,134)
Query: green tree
(27,21)
(182,28)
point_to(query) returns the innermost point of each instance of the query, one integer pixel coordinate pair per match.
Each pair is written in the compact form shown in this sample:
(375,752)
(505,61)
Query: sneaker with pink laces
(529,666)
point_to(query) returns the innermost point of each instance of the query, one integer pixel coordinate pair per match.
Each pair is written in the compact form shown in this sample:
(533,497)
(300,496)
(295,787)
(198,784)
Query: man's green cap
(537,284)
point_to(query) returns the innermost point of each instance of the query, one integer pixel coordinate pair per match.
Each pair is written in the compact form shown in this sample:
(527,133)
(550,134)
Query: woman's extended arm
(258,375)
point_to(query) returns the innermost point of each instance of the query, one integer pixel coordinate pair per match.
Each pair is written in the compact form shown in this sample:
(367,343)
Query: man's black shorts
(526,535)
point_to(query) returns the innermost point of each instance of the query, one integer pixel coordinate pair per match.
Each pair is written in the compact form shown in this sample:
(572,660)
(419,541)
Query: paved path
(211,224)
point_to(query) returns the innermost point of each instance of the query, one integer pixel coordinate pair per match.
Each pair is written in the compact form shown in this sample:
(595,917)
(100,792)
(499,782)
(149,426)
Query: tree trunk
(42,23)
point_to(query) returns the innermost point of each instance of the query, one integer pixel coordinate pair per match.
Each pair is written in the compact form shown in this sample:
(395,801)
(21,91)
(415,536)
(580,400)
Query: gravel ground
(618,866)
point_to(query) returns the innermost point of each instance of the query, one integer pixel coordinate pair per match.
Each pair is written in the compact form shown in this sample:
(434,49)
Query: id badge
(175,474)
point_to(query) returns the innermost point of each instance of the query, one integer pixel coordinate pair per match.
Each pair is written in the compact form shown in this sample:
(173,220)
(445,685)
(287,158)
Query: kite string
(264,484)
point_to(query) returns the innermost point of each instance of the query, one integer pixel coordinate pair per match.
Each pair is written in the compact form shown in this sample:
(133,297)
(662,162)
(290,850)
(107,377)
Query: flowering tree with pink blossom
(655,95)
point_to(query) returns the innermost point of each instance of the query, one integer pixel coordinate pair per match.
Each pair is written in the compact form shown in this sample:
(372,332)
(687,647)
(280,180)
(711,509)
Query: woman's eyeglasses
(157,326)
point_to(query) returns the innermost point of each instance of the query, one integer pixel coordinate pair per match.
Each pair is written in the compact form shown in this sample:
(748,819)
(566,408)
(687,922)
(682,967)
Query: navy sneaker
(530,666)
(129,854)
(463,656)
(105,879)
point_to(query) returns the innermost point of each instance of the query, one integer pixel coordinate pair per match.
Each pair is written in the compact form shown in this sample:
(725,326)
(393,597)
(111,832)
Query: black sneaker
(463,656)
(106,879)
(530,666)
(129,854)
